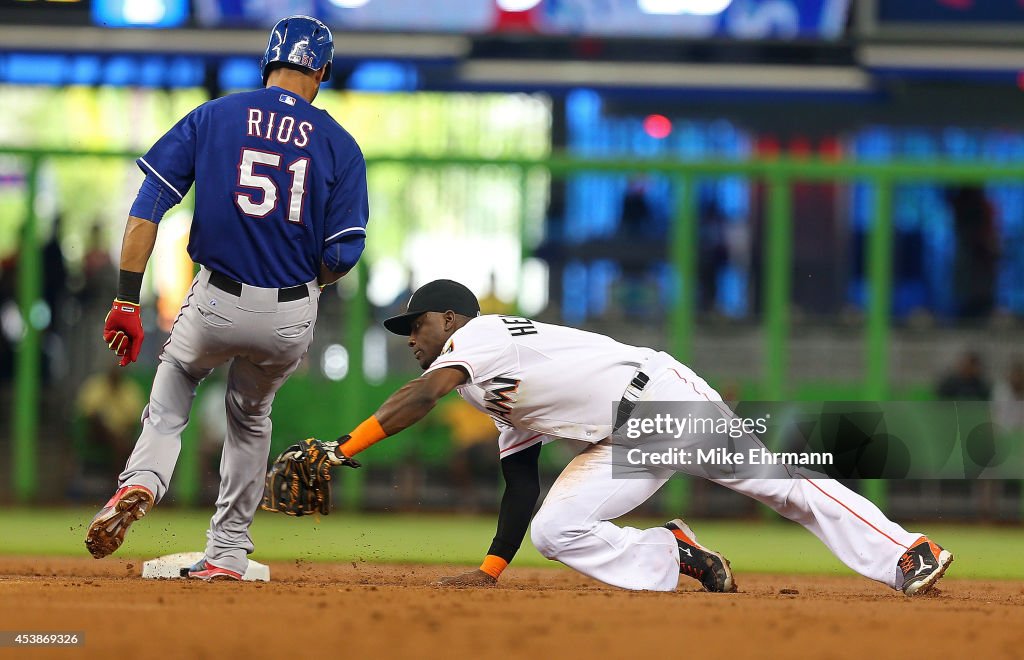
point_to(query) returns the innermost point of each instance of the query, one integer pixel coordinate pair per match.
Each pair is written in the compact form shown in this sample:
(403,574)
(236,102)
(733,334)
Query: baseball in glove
(299,481)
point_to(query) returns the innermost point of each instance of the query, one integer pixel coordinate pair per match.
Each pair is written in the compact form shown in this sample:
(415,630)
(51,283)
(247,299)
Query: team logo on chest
(500,397)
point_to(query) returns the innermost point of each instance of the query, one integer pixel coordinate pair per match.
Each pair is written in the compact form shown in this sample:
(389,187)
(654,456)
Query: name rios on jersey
(276,128)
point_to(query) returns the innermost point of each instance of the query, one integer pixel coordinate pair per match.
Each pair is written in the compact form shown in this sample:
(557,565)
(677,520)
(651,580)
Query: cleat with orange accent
(108,527)
(204,570)
(708,567)
(922,565)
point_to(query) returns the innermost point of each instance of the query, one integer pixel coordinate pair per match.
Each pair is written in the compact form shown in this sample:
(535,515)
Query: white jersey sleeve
(481,348)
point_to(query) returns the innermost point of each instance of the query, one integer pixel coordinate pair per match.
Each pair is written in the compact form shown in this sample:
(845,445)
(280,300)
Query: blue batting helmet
(302,41)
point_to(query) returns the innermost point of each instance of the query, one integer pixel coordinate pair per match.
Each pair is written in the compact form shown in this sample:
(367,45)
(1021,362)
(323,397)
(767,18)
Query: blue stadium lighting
(35,68)
(121,70)
(923,222)
(140,13)
(184,72)
(574,284)
(240,73)
(594,201)
(84,69)
(384,77)
(151,71)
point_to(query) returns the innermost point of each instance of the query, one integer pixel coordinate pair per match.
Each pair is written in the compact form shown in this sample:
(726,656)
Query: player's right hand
(474,578)
(335,455)
(122,331)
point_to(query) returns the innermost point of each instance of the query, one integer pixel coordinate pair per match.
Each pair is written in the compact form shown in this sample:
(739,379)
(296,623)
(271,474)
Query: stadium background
(819,199)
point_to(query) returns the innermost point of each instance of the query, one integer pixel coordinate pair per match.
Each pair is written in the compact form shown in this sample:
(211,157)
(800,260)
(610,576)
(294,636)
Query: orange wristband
(493,565)
(364,435)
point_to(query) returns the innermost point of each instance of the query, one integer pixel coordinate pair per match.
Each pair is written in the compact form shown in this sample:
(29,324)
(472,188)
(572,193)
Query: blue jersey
(277,181)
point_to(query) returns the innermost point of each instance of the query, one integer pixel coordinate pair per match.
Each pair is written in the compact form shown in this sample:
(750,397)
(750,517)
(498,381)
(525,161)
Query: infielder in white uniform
(541,382)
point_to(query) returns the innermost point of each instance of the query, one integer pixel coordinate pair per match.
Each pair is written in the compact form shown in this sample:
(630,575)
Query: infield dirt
(366,610)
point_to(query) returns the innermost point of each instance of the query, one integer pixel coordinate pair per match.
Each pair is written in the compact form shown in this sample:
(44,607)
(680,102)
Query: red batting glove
(122,331)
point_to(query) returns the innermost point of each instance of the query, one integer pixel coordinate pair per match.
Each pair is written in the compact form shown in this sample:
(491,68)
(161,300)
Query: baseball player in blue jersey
(281,210)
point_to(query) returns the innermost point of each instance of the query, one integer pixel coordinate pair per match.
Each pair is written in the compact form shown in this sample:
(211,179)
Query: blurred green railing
(778,174)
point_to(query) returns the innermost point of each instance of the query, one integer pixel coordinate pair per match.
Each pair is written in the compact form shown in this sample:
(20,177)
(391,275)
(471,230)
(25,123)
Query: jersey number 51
(249,178)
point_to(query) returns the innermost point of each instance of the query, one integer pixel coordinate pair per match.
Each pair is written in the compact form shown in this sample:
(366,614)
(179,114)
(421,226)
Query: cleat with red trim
(708,567)
(922,565)
(108,527)
(204,570)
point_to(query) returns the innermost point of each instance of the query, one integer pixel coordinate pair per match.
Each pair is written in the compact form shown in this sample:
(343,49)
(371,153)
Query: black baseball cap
(436,296)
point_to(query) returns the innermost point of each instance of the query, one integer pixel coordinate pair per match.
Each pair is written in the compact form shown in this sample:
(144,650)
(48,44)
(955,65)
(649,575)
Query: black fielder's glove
(299,481)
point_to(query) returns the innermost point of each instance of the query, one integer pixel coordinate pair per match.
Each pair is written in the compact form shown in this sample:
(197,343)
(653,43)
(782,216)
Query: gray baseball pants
(264,340)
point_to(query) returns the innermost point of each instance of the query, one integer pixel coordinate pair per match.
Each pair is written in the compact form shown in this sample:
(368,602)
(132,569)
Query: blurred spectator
(637,219)
(1008,398)
(110,406)
(639,243)
(474,449)
(976,263)
(966,382)
(552,248)
(712,255)
(8,312)
(92,288)
(12,323)
(54,293)
(55,272)
(97,268)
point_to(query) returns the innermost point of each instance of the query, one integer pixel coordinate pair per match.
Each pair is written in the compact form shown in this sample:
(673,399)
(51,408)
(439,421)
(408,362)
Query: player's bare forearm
(328,276)
(402,409)
(416,398)
(137,245)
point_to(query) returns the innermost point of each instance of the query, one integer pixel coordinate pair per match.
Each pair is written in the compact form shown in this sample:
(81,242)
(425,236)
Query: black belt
(228,285)
(630,397)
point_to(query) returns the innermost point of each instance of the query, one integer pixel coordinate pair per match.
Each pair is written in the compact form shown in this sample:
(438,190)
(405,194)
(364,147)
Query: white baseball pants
(573,525)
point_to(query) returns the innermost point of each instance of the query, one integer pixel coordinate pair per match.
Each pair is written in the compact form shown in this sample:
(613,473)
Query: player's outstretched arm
(401,410)
(522,489)
(416,398)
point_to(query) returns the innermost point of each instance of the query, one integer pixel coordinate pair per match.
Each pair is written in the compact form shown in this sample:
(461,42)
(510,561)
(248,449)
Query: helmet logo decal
(300,53)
